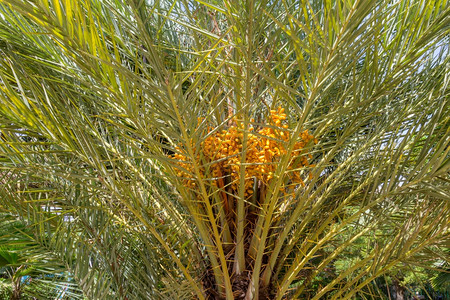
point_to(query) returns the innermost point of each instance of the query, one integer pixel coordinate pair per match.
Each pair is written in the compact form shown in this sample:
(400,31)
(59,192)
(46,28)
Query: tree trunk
(15,295)
(399,291)
(16,290)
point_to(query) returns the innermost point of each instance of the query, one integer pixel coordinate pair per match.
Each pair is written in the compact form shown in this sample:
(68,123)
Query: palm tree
(27,269)
(227,150)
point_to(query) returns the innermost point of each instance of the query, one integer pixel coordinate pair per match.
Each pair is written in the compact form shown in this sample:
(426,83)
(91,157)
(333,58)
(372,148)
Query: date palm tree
(227,150)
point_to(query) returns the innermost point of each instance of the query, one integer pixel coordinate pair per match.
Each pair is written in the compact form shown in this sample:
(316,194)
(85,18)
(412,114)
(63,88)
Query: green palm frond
(31,266)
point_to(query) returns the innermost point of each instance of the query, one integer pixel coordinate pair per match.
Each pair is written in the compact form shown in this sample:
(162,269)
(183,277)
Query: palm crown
(195,149)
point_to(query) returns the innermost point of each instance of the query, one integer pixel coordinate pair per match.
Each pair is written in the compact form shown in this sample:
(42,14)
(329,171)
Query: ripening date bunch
(221,155)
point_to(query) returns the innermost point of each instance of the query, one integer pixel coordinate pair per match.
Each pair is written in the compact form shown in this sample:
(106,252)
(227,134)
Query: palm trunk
(16,289)
(399,291)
